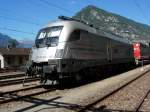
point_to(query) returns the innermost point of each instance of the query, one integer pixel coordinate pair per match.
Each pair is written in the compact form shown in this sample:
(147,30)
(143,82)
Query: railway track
(16,81)
(139,105)
(19,94)
(13,78)
(8,79)
(9,76)
(137,108)
(7,70)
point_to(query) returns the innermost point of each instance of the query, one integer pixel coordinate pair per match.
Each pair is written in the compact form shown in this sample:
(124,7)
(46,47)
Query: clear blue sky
(28,13)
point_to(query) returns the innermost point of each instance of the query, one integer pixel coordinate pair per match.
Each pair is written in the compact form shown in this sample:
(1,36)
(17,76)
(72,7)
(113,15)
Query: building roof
(14,51)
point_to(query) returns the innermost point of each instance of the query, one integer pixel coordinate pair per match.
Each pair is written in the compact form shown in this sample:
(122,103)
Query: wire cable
(56,6)
(15,30)
(142,12)
(20,20)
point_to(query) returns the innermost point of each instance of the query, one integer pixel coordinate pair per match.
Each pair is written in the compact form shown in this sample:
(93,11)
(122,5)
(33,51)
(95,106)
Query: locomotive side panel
(87,51)
(92,50)
(121,52)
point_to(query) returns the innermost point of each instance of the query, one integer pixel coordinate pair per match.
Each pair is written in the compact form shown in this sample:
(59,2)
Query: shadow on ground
(50,105)
(54,103)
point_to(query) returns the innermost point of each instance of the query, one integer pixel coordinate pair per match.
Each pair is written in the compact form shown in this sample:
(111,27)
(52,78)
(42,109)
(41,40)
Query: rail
(87,107)
(15,97)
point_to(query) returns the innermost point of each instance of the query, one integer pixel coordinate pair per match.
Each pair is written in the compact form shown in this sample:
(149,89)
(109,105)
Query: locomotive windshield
(48,37)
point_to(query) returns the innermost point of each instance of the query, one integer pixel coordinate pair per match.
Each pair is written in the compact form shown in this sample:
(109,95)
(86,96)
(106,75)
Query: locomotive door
(109,51)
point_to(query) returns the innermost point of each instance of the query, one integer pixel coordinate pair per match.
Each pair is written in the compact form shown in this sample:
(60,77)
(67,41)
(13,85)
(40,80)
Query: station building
(13,57)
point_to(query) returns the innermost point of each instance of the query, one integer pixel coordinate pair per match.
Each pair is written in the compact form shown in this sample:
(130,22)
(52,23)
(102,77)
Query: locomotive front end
(47,53)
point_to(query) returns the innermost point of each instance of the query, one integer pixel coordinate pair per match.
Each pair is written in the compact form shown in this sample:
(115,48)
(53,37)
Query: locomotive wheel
(44,79)
(62,82)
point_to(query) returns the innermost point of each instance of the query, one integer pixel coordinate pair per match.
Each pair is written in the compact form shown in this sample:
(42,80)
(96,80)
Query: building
(13,57)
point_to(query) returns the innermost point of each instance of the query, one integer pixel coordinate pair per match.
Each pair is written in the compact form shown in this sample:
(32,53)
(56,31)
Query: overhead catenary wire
(19,20)
(10,12)
(56,6)
(16,30)
(142,11)
(30,22)
(32,3)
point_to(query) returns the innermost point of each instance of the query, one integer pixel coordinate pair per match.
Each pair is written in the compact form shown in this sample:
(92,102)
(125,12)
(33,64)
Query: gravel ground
(146,105)
(15,86)
(10,73)
(72,99)
(76,98)
(12,79)
(31,102)
(21,93)
(18,86)
(127,98)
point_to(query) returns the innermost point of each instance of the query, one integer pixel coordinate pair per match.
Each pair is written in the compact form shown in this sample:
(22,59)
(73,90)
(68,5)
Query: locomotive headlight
(59,53)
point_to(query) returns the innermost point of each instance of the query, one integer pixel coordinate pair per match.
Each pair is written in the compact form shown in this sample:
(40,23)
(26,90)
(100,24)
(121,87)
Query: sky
(22,19)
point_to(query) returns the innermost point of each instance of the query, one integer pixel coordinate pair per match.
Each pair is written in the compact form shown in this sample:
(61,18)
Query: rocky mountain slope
(6,41)
(114,23)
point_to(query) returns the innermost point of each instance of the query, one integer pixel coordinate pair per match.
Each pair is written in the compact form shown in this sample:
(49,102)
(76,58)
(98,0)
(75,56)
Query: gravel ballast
(78,97)
(146,105)
(127,99)
(11,73)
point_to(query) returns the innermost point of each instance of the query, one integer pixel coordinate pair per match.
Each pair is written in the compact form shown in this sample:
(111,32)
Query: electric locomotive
(66,47)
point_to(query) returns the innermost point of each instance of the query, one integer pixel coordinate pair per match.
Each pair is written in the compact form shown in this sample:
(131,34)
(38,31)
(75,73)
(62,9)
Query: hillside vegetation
(114,23)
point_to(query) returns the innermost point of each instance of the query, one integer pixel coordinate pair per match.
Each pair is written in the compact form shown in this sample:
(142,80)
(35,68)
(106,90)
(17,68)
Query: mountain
(114,23)
(26,43)
(6,40)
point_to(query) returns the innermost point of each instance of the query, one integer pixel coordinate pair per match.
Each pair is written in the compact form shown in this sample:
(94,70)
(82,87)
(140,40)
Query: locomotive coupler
(49,69)
(49,74)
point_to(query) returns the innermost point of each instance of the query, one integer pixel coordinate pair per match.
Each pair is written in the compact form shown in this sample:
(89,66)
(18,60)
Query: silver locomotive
(66,47)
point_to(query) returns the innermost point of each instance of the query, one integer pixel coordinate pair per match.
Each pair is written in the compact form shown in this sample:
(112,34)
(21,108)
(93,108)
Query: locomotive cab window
(75,35)
(48,36)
